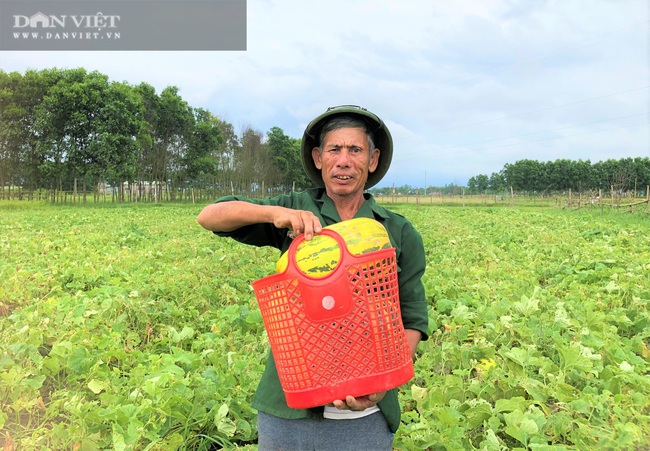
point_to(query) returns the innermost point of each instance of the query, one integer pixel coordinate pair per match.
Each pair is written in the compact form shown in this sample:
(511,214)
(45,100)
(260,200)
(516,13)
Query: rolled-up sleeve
(256,234)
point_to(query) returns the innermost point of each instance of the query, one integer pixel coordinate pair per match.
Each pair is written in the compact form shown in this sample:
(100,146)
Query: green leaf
(227,427)
(528,306)
(536,389)
(444,305)
(97,386)
(523,357)
(520,426)
(448,415)
(572,357)
(626,367)
(221,413)
(185,334)
(418,393)
(478,414)
(510,405)
(33,382)
(79,360)
(118,440)
(565,392)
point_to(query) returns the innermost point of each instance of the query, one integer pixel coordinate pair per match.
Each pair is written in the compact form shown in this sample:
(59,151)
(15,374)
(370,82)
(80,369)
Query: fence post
(600,198)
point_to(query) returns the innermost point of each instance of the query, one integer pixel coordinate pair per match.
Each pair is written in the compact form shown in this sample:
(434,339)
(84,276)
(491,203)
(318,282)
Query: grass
(127,326)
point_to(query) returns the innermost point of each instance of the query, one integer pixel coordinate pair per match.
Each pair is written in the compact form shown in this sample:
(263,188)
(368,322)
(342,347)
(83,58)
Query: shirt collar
(369,209)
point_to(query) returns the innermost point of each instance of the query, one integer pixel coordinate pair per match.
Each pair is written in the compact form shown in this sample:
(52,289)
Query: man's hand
(298,221)
(359,403)
(231,215)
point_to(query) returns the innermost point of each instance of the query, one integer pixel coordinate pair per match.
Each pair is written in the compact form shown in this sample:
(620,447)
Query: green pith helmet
(383,142)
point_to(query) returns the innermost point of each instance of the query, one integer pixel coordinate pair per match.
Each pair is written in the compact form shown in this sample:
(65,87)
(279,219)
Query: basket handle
(328,297)
(293,248)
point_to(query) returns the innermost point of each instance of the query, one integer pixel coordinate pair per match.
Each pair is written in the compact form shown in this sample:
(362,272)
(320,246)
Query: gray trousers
(367,433)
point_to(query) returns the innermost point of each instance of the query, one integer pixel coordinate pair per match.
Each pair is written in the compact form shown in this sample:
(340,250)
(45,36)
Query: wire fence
(153,192)
(570,200)
(628,201)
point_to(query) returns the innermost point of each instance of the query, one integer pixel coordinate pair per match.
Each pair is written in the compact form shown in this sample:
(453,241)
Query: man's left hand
(359,403)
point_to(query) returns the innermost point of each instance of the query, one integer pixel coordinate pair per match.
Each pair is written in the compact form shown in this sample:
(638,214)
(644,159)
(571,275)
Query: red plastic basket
(338,335)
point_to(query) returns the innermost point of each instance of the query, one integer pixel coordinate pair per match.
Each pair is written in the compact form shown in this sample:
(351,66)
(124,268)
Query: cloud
(465,86)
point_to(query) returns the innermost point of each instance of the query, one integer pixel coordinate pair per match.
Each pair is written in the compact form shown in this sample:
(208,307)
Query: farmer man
(344,151)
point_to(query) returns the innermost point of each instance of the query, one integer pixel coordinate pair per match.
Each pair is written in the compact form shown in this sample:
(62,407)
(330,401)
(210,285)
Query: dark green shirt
(409,249)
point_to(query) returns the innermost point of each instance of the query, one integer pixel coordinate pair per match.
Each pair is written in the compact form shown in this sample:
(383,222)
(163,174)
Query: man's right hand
(297,221)
(228,216)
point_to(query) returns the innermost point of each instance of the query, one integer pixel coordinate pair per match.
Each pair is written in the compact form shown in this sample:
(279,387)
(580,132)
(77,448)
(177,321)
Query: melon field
(131,327)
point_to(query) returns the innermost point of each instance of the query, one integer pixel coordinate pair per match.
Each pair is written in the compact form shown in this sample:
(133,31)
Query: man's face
(345,161)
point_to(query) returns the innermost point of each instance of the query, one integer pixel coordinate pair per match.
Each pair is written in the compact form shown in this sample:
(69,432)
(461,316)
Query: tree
(478,184)
(622,179)
(87,129)
(65,121)
(523,175)
(582,175)
(482,183)
(497,182)
(226,152)
(252,161)
(116,149)
(205,140)
(642,172)
(285,153)
(12,136)
(174,123)
(472,186)
(20,95)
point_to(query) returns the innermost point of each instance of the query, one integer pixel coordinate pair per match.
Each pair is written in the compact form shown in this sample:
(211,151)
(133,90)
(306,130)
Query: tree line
(73,130)
(533,177)
(69,130)
(538,177)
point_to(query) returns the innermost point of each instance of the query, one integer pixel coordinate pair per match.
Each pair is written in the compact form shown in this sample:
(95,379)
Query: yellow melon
(319,256)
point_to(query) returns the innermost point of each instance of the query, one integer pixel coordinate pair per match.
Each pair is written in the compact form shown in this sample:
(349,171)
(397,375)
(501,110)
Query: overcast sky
(465,86)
